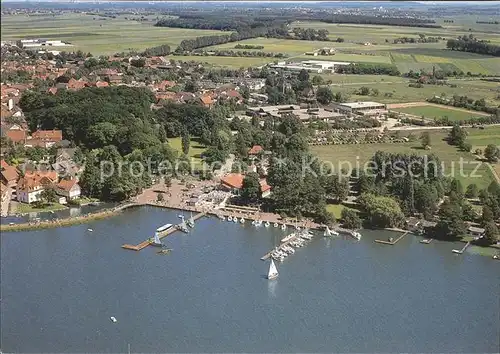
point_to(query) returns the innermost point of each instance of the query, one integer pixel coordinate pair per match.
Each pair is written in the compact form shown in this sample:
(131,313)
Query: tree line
(368,69)
(473,45)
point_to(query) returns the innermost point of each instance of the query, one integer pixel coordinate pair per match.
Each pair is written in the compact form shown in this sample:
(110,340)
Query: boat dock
(268,254)
(349,232)
(161,235)
(462,250)
(392,243)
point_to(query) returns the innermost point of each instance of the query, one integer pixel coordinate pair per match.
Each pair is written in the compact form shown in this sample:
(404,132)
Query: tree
(364,91)
(250,191)
(425,138)
(49,195)
(324,95)
(492,153)
(317,80)
(382,211)
(487,215)
(457,135)
(159,197)
(472,191)
(191,86)
(185,143)
(491,233)
(303,75)
(350,219)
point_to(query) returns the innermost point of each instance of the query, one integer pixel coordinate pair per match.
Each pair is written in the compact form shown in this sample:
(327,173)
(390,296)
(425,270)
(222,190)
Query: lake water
(59,288)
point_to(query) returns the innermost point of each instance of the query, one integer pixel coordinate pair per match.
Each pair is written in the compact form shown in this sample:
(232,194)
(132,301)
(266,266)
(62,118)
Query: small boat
(426,241)
(242,220)
(222,217)
(496,256)
(275,224)
(283,227)
(273,272)
(288,238)
(229,218)
(164,251)
(164,228)
(11,223)
(190,221)
(357,236)
(90,230)
(113,319)
(258,222)
(235,219)
(267,224)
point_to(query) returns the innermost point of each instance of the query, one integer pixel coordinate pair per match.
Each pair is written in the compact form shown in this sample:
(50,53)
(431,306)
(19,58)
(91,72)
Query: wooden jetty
(393,242)
(426,241)
(161,235)
(462,250)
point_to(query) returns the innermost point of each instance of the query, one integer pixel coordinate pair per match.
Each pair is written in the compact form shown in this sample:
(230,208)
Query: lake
(59,288)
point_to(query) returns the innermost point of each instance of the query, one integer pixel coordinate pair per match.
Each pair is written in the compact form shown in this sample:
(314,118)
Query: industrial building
(35,43)
(312,66)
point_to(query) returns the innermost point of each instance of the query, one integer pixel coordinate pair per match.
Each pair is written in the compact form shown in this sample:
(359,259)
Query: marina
(213,286)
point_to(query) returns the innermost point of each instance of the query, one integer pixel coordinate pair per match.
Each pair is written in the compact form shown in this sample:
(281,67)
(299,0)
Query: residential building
(68,188)
(233,182)
(477,232)
(44,138)
(9,174)
(255,150)
(30,187)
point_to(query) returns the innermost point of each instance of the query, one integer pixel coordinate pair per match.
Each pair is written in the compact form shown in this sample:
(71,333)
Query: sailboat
(190,221)
(156,241)
(273,272)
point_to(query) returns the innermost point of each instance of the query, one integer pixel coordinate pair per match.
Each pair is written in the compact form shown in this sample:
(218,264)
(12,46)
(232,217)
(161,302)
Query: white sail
(273,272)
(157,238)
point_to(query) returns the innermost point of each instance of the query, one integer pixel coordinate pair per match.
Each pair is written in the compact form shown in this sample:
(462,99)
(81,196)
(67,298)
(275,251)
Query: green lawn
(482,137)
(432,112)
(23,208)
(195,148)
(95,34)
(336,210)
(345,155)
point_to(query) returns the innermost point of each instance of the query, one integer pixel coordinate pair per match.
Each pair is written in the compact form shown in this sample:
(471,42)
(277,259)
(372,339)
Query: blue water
(60,286)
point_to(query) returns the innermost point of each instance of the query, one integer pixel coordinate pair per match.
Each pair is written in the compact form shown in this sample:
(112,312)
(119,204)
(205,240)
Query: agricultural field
(98,35)
(397,90)
(350,79)
(433,112)
(231,62)
(480,138)
(449,155)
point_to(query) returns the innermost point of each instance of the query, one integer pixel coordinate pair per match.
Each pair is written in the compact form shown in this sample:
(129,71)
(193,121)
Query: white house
(28,190)
(68,188)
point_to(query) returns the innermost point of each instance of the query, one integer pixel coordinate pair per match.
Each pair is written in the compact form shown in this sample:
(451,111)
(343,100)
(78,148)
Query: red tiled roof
(255,150)
(40,175)
(264,187)
(17,136)
(66,184)
(48,135)
(52,90)
(10,174)
(4,164)
(206,100)
(233,180)
(28,183)
(101,84)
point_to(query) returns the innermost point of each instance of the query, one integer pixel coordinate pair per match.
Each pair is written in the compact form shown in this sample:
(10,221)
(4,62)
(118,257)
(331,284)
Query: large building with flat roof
(361,108)
(306,115)
(313,66)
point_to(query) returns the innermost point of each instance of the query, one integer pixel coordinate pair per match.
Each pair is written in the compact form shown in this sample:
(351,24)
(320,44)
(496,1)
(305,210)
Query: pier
(268,254)
(393,242)
(462,250)
(161,235)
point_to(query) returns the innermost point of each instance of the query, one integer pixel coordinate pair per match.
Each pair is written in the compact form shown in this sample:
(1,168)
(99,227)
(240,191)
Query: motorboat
(267,224)
(229,218)
(164,228)
(242,220)
(113,319)
(258,223)
(283,227)
(90,230)
(164,251)
(275,224)
(235,219)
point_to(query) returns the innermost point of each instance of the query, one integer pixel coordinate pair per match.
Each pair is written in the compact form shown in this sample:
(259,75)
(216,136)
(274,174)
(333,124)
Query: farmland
(448,154)
(233,62)
(95,34)
(433,112)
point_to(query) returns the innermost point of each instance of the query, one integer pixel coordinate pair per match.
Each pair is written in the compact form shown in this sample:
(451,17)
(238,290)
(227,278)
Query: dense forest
(473,45)
(387,21)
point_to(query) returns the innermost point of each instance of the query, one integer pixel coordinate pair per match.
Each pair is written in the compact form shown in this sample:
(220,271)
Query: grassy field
(23,208)
(232,62)
(479,138)
(433,112)
(95,34)
(449,155)
(399,90)
(195,148)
